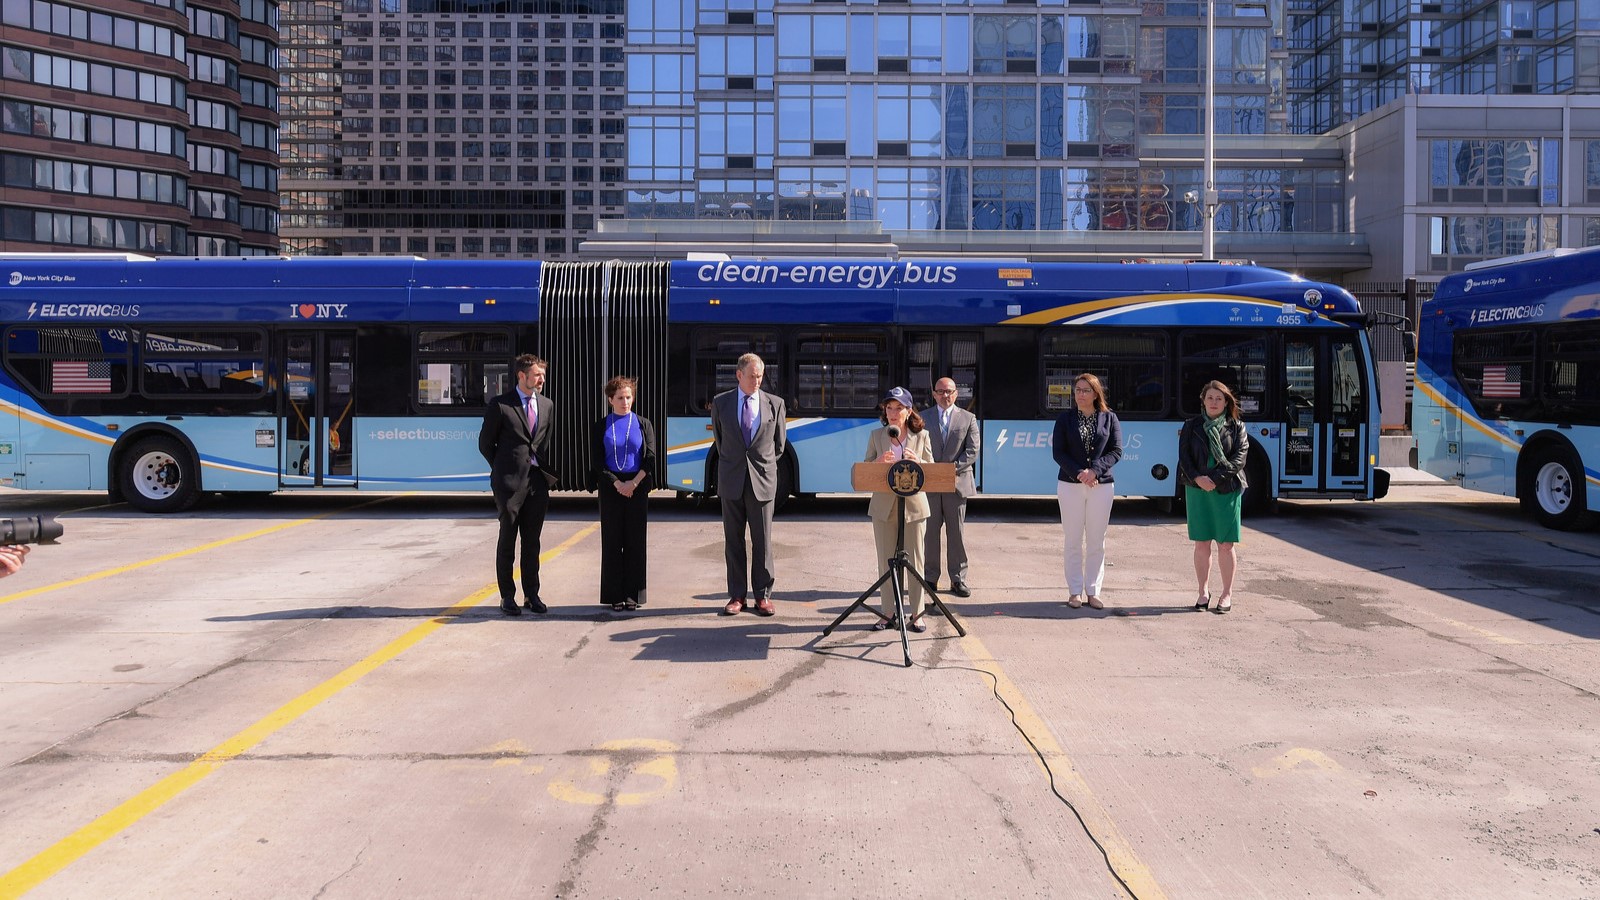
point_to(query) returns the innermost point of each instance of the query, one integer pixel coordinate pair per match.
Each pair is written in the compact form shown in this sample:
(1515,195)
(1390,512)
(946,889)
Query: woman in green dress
(1211,452)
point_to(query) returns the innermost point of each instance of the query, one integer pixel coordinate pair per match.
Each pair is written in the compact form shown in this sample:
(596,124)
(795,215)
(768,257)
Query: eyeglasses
(1082,390)
(950,391)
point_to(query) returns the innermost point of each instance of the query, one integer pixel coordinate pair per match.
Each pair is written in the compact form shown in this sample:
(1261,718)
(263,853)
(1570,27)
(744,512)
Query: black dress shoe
(536,605)
(961,590)
(509,607)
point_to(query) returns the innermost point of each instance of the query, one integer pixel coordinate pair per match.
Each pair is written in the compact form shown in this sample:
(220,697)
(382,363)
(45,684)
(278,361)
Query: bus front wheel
(1555,491)
(160,476)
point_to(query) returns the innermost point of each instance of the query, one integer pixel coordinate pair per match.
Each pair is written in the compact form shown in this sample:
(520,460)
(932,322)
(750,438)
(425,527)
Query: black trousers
(526,525)
(623,558)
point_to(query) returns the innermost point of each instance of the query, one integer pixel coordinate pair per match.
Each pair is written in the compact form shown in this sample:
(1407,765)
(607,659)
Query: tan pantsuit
(886,521)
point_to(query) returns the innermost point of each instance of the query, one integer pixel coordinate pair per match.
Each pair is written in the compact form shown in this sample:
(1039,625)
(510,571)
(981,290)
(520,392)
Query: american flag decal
(81,377)
(1502,382)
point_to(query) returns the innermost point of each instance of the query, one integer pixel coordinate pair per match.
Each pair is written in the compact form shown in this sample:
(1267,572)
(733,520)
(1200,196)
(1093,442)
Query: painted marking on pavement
(1072,785)
(663,767)
(69,849)
(1297,758)
(1494,637)
(168,557)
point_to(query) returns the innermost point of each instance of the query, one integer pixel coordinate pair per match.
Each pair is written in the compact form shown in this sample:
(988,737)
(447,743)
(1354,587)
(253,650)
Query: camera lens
(30,530)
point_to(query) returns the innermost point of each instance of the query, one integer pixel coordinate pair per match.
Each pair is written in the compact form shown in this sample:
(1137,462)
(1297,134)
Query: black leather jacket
(1194,452)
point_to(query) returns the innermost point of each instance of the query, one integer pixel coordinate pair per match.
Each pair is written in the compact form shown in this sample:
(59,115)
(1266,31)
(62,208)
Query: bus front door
(1324,417)
(315,428)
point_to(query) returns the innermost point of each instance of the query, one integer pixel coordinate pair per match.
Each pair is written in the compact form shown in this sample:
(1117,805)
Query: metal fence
(1388,345)
(1388,297)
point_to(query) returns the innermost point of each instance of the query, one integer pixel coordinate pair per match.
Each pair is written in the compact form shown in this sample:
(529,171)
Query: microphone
(894,432)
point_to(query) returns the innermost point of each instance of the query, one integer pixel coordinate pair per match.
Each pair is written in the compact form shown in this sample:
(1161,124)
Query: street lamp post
(1208,163)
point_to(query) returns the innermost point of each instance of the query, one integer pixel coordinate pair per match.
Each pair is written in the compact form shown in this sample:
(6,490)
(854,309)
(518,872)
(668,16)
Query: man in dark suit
(515,440)
(747,425)
(954,433)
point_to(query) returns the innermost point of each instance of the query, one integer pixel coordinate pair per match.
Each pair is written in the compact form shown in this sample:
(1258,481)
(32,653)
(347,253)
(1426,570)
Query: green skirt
(1213,516)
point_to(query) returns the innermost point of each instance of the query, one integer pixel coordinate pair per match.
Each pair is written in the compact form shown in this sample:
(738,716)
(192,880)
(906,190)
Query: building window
(1005,199)
(1480,171)
(1454,241)
(1005,121)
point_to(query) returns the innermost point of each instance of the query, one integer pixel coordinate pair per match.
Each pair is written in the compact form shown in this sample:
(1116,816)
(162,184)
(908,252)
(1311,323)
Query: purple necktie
(747,418)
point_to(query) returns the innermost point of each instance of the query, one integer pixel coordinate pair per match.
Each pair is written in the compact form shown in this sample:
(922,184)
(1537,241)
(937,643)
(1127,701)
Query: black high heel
(1203,601)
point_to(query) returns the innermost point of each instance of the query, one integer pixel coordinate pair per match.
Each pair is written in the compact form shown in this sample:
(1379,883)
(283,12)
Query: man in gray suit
(954,433)
(747,426)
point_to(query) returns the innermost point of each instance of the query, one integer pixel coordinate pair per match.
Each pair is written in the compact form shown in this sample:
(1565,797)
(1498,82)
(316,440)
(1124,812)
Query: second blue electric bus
(1507,396)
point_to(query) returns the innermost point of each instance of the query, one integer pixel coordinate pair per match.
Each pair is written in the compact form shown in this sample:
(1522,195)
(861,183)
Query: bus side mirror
(1408,340)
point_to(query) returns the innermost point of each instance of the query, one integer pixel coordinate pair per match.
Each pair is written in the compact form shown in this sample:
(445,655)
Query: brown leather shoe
(733,607)
(764,607)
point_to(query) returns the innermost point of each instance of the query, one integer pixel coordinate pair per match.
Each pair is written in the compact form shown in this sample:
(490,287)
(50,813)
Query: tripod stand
(895,571)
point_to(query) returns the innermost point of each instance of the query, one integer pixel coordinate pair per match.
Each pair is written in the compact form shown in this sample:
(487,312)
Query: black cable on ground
(1048,771)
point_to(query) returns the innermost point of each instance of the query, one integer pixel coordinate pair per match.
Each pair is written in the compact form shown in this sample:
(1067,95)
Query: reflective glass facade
(982,116)
(1348,57)
(158,118)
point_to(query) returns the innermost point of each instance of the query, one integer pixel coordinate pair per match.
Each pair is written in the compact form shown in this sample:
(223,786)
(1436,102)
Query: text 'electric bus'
(1507,396)
(159,379)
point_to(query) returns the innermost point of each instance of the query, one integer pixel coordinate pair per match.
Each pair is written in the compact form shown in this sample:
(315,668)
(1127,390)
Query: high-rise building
(1070,128)
(139,126)
(1053,129)
(443,128)
(1349,57)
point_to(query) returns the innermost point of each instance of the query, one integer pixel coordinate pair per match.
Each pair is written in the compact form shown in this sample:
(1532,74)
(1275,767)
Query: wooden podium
(905,478)
(873,477)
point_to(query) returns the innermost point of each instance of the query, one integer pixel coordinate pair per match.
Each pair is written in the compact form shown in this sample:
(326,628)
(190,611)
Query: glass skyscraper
(1348,57)
(946,117)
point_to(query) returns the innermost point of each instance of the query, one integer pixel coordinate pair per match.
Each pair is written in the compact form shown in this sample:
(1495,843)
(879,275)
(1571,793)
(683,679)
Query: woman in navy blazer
(1086,444)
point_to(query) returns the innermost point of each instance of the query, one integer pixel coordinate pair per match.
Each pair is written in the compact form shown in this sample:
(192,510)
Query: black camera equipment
(905,479)
(29,530)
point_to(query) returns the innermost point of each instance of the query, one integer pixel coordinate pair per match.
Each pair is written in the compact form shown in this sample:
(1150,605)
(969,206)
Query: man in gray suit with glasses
(954,433)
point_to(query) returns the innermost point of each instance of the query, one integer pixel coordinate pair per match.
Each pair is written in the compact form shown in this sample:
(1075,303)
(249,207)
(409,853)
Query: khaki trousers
(884,533)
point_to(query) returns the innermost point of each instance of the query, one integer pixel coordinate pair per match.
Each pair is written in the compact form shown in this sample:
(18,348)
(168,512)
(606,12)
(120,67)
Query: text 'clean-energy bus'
(159,379)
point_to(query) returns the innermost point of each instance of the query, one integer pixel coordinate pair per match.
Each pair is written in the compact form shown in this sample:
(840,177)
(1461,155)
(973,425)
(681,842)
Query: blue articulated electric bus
(1507,396)
(159,379)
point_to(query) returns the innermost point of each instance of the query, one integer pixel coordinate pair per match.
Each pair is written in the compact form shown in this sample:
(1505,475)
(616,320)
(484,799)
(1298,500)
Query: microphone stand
(895,570)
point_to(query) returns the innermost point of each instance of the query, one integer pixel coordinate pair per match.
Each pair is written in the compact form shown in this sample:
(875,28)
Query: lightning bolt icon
(1000,442)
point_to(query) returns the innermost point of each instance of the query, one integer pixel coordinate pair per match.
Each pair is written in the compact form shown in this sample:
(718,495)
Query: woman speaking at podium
(901,437)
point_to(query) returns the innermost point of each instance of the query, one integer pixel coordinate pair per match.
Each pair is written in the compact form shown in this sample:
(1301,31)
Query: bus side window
(715,364)
(461,370)
(1237,360)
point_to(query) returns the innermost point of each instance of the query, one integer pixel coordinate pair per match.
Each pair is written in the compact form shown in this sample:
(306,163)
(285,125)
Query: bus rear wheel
(159,475)
(1555,491)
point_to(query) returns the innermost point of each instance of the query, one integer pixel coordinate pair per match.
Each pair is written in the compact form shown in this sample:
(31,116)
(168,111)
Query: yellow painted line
(69,849)
(1493,637)
(107,573)
(1127,863)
